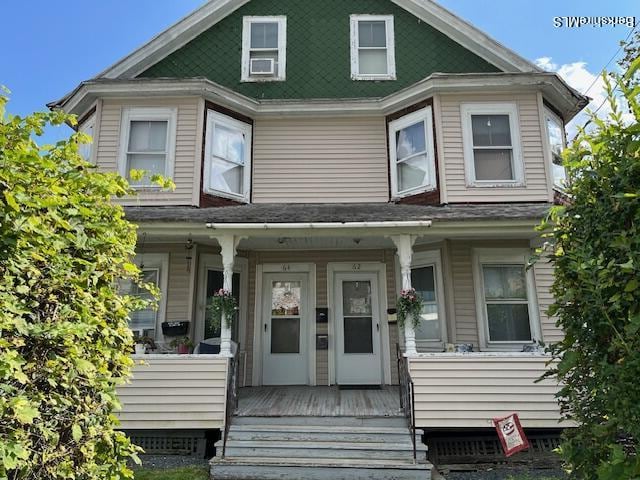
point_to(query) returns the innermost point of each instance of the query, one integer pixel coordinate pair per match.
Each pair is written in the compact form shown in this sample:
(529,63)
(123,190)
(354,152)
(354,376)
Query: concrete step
(311,450)
(261,468)
(300,435)
(370,422)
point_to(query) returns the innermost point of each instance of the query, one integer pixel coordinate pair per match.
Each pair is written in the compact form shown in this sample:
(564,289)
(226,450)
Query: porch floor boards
(301,401)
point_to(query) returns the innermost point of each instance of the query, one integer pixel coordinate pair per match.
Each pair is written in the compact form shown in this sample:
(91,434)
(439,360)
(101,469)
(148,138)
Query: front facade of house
(327,155)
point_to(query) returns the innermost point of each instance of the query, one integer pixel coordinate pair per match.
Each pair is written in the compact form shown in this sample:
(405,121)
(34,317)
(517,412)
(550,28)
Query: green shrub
(64,338)
(596,253)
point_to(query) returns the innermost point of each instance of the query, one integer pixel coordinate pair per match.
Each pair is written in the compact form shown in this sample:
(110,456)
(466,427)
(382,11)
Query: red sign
(511,434)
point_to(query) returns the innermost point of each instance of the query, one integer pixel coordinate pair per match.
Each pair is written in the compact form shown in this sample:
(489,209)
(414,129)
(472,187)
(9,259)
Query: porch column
(404,245)
(228,245)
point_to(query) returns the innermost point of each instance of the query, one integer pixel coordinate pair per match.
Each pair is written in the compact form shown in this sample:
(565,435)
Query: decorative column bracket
(404,245)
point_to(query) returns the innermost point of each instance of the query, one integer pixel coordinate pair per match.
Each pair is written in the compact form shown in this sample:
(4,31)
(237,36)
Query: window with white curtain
(506,299)
(412,154)
(147,143)
(372,47)
(227,157)
(86,149)
(557,143)
(264,48)
(492,144)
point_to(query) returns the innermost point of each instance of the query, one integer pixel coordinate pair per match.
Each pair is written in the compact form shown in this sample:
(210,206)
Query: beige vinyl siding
(188,130)
(319,160)
(467,391)
(452,148)
(175,392)
(320,259)
(543,272)
(465,318)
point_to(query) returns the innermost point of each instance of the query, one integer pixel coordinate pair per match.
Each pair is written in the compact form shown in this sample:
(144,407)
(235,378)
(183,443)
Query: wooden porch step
(370,422)
(322,434)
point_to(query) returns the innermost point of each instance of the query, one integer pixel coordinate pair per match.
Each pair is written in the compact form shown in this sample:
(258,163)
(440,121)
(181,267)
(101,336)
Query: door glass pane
(491,130)
(264,35)
(373,62)
(144,319)
(215,281)
(493,164)
(358,335)
(410,140)
(285,335)
(285,298)
(372,34)
(509,322)
(356,298)
(357,314)
(423,280)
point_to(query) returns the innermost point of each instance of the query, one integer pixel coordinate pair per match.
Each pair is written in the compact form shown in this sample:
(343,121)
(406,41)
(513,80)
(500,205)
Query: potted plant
(409,306)
(223,303)
(143,344)
(182,345)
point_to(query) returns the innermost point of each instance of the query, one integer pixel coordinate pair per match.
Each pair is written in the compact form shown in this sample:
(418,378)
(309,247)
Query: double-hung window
(372,47)
(147,143)
(426,279)
(86,149)
(557,143)
(506,299)
(153,269)
(264,49)
(227,169)
(492,144)
(412,154)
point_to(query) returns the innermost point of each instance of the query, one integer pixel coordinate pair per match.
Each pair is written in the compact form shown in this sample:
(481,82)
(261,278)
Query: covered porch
(317,300)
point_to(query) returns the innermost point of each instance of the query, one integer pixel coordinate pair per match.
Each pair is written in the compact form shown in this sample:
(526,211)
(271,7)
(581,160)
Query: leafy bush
(64,338)
(596,253)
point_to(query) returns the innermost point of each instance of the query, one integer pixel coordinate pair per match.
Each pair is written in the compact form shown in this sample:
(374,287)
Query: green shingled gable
(318,58)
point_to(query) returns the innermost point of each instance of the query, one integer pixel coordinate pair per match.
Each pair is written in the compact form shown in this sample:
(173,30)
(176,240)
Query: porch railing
(232,397)
(407,396)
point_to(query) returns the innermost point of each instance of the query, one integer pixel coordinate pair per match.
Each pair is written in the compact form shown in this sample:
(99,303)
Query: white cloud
(578,76)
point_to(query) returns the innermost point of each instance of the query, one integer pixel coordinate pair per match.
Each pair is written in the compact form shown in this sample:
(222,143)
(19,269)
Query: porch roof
(338,213)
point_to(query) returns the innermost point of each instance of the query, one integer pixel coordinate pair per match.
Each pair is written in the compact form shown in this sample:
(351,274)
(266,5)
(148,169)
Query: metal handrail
(232,397)
(407,397)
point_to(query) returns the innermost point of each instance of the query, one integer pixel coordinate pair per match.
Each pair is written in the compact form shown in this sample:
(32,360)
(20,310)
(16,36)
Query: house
(327,155)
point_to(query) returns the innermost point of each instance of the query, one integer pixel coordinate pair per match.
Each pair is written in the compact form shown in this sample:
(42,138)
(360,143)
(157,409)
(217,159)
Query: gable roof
(214,11)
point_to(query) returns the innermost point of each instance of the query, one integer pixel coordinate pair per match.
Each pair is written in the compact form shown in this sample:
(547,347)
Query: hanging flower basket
(223,303)
(409,306)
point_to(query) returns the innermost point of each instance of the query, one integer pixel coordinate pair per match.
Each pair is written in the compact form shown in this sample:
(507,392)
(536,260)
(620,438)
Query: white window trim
(391,48)
(150,114)
(504,256)
(433,258)
(159,261)
(247,129)
(548,114)
(281,75)
(84,127)
(425,115)
(510,109)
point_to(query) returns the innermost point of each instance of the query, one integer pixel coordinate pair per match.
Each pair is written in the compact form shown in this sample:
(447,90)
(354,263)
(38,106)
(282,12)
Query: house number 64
(286,268)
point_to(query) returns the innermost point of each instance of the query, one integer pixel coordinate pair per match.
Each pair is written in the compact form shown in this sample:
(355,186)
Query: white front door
(357,307)
(285,313)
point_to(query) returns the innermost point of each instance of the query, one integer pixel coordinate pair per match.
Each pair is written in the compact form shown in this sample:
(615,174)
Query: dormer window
(372,47)
(264,49)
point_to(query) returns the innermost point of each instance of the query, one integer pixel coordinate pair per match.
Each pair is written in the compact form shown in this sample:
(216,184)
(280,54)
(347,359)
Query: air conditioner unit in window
(262,66)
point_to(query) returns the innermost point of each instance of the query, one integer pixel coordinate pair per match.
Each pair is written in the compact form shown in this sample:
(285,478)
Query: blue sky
(50,46)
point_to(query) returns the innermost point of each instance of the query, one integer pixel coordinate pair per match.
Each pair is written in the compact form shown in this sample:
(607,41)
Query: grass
(184,473)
